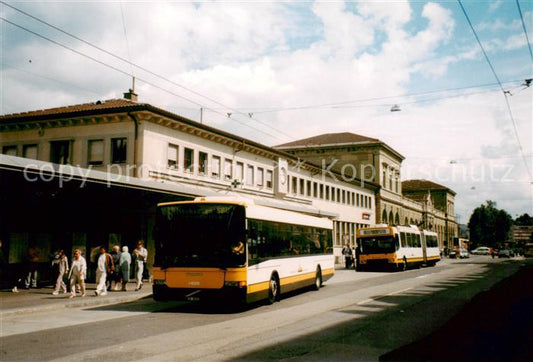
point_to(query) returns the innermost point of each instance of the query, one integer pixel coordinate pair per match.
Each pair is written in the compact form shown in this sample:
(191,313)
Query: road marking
(399,291)
(422,276)
(366,301)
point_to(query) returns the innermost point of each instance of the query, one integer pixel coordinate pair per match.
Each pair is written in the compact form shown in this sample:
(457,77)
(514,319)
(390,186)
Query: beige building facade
(128,143)
(418,202)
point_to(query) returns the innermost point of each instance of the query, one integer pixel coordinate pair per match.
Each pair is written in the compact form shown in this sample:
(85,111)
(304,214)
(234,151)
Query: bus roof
(261,212)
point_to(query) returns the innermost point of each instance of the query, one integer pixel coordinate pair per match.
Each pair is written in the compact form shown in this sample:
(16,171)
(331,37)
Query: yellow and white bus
(237,250)
(396,246)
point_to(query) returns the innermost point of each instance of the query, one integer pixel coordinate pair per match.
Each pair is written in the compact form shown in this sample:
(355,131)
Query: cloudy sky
(295,69)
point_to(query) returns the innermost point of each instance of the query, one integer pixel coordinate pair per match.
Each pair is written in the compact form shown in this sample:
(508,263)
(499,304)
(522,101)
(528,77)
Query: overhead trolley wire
(125,73)
(525,31)
(505,93)
(234,111)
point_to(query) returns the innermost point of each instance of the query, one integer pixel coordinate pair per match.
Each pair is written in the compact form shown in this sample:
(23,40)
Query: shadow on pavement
(390,321)
(497,325)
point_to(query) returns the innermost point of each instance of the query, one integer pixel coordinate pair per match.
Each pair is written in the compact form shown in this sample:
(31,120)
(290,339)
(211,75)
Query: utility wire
(234,111)
(126,73)
(525,31)
(335,104)
(505,93)
(125,33)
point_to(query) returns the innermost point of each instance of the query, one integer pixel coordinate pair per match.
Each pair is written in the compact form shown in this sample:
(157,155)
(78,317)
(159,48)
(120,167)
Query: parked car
(505,253)
(452,254)
(463,253)
(481,250)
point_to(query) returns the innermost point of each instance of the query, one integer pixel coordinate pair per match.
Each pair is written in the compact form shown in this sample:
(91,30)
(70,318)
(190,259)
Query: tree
(524,220)
(489,226)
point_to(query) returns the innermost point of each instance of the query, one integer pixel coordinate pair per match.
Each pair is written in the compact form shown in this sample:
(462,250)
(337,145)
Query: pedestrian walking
(114,276)
(141,254)
(78,273)
(61,261)
(124,267)
(348,256)
(32,264)
(104,265)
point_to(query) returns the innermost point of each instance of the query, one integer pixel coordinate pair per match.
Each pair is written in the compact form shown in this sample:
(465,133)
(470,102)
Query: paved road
(356,316)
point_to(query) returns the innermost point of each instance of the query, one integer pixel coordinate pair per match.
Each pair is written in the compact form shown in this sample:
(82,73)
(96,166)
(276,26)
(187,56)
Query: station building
(419,202)
(86,175)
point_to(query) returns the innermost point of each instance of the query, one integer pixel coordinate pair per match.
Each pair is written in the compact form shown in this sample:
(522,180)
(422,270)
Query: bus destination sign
(383,231)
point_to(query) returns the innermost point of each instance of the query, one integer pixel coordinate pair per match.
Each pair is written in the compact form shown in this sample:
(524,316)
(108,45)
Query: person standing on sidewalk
(114,277)
(32,266)
(124,267)
(141,254)
(103,265)
(62,264)
(78,272)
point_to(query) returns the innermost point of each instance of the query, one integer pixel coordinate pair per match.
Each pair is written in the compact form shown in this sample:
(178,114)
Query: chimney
(131,95)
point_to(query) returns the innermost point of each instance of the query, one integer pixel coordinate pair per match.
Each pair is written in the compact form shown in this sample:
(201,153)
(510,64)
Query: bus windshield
(200,234)
(378,244)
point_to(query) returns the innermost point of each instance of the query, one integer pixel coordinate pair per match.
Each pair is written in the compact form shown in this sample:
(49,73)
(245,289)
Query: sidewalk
(40,299)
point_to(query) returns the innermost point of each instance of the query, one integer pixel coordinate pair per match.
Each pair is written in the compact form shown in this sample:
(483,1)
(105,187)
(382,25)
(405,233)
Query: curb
(78,302)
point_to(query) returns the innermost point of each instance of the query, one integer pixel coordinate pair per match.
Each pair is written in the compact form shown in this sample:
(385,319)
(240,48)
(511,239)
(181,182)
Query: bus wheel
(273,289)
(404,267)
(318,279)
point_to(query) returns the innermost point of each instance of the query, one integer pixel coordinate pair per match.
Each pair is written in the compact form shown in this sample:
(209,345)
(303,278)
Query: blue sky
(277,56)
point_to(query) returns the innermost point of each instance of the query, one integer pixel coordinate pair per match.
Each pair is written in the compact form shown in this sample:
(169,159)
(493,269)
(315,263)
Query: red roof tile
(79,108)
(329,139)
(419,185)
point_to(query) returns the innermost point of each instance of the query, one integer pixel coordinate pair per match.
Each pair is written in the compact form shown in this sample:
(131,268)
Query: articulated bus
(396,246)
(234,249)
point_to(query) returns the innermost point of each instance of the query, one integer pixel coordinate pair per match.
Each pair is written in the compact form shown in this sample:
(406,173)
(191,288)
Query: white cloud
(241,55)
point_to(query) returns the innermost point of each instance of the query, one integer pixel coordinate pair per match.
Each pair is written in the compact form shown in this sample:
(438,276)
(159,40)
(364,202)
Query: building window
(250,175)
(188,160)
(60,152)
(172,156)
(260,176)
(9,150)
(228,170)
(239,171)
(327,193)
(315,190)
(344,196)
(302,187)
(202,164)
(119,148)
(215,166)
(95,150)
(294,185)
(269,179)
(30,151)
(339,196)
(321,191)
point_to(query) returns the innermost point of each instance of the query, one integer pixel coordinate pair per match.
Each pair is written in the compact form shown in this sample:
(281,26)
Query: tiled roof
(423,185)
(329,139)
(74,109)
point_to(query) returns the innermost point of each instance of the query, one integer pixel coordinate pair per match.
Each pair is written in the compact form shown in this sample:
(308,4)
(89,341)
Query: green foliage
(524,220)
(489,226)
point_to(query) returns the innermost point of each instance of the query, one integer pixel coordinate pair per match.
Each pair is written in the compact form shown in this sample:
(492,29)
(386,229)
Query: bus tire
(318,279)
(273,289)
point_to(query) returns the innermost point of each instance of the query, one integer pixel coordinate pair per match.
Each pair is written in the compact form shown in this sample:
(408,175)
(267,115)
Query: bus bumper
(162,292)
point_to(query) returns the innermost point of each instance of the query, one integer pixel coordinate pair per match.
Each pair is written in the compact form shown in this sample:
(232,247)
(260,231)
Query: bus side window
(403,239)
(418,242)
